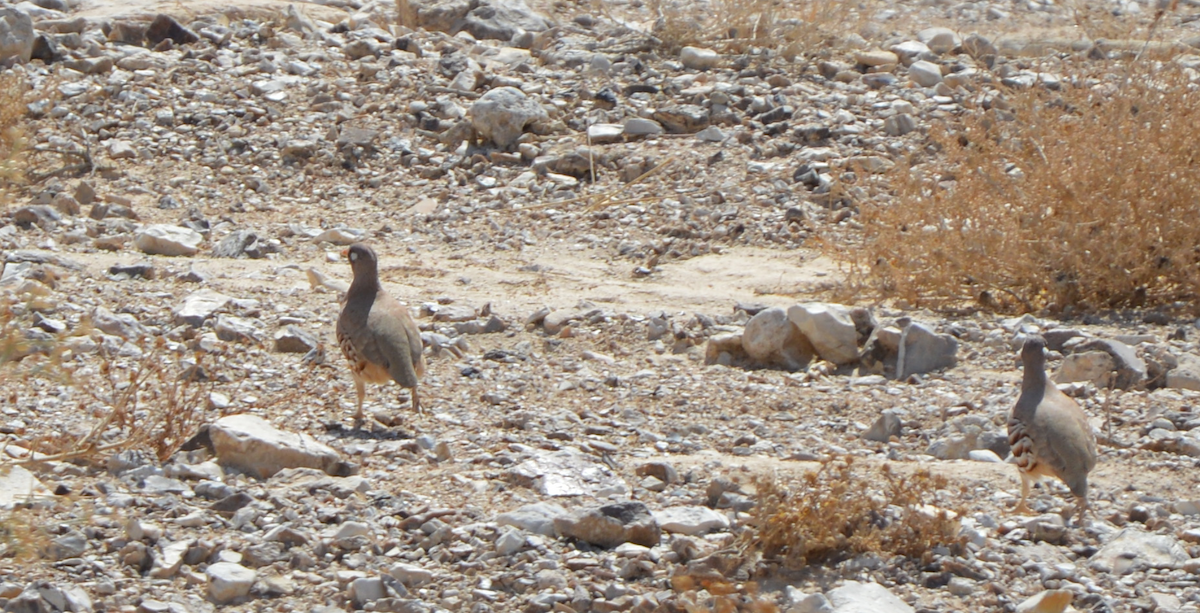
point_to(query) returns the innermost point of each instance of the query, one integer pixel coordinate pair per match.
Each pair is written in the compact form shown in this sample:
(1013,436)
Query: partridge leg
(1081,508)
(1022,508)
(416,401)
(360,388)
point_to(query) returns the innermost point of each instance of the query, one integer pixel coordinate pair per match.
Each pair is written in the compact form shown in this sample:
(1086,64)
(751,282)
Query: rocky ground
(609,241)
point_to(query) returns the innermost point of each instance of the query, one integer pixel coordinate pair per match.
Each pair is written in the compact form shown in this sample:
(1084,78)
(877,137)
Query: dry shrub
(157,403)
(793,27)
(1082,198)
(152,404)
(721,597)
(23,533)
(837,512)
(13,93)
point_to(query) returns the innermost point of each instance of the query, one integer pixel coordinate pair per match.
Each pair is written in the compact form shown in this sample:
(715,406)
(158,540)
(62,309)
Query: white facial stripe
(353,256)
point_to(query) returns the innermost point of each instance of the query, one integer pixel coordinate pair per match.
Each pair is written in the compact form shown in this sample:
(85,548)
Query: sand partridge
(1048,432)
(376,333)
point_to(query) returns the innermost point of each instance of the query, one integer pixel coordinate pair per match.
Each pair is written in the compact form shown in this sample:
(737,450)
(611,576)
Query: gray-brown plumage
(1048,432)
(376,333)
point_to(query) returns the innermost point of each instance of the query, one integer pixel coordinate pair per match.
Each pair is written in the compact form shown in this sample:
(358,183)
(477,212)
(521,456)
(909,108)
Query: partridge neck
(1034,377)
(367,282)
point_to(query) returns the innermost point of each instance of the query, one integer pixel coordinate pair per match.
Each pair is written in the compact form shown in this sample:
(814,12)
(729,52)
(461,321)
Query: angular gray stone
(829,328)
(1131,370)
(1048,601)
(691,520)
(483,19)
(922,350)
(366,589)
(199,306)
(885,427)
(42,596)
(412,575)
(502,114)
(699,58)
(568,472)
(925,74)
(611,525)
(228,581)
(70,545)
(603,133)
(1093,366)
(16,34)
(939,40)
(165,239)
(235,244)
(510,541)
(1186,375)
(855,597)
(250,444)
(236,329)
(1132,549)
(876,57)
(123,325)
(537,518)
(770,338)
(899,124)
(711,134)
(294,339)
(170,560)
(640,126)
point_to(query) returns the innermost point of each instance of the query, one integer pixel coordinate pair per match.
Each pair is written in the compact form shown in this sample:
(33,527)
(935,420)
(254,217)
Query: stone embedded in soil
(699,58)
(567,473)
(1048,601)
(925,74)
(250,444)
(829,328)
(771,338)
(502,115)
(611,525)
(1130,369)
(16,34)
(537,518)
(1132,549)
(165,239)
(1092,366)
(691,520)
(923,350)
(228,581)
(199,306)
(855,597)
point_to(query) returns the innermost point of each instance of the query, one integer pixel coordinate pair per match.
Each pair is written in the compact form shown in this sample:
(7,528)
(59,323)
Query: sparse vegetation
(793,27)
(13,90)
(838,511)
(1066,199)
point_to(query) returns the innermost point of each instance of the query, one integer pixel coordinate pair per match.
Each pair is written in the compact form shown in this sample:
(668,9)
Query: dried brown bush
(838,511)
(154,403)
(1078,199)
(13,92)
(793,27)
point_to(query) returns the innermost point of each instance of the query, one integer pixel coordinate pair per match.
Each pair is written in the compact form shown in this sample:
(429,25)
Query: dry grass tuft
(837,512)
(721,597)
(1078,199)
(23,534)
(13,92)
(152,404)
(155,404)
(792,27)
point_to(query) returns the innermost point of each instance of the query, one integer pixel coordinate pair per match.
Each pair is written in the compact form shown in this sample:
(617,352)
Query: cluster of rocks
(580,453)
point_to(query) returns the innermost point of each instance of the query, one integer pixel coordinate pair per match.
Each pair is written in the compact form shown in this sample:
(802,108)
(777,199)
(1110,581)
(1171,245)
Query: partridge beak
(346,252)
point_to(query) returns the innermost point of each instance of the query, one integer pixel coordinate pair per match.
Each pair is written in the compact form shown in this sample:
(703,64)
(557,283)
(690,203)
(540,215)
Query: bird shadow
(342,431)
